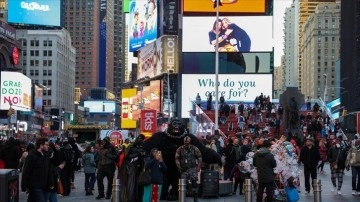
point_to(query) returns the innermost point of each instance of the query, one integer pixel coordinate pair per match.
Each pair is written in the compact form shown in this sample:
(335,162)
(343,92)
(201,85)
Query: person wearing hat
(310,157)
(337,157)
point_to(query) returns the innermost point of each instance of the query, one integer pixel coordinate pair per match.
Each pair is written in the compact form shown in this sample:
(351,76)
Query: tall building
(320,51)
(119,75)
(350,55)
(290,60)
(304,8)
(3,10)
(279,79)
(82,20)
(48,58)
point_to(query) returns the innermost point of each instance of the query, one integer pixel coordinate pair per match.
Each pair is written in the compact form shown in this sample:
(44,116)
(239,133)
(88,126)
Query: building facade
(119,75)
(320,51)
(3,10)
(350,55)
(48,58)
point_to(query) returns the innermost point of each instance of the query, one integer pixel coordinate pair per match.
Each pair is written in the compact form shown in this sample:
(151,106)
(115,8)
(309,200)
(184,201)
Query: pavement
(78,194)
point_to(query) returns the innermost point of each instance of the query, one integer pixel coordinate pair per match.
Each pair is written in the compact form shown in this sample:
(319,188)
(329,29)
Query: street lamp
(168,94)
(325,89)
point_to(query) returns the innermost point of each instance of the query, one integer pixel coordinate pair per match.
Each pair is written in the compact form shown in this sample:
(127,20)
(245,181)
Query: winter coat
(89,162)
(157,169)
(265,163)
(353,157)
(310,157)
(35,172)
(235,173)
(339,155)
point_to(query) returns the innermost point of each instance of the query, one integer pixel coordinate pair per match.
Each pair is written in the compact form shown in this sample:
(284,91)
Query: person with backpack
(106,168)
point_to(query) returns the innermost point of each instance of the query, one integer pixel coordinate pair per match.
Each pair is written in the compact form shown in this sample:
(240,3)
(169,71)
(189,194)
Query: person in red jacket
(323,155)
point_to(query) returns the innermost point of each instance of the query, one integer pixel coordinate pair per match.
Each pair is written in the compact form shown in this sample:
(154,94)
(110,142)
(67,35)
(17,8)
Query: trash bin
(9,185)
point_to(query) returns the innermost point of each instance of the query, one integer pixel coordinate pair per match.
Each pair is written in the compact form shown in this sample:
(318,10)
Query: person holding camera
(157,167)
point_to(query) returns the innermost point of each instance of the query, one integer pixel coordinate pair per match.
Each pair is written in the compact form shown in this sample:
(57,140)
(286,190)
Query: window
(24,42)
(49,63)
(45,43)
(45,53)
(50,43)
(49,83)
(31,72)
(44,73)
(36,63)
(50,53)
(32,63)
(49,72)
(32,53)
(45,63)
(36,72)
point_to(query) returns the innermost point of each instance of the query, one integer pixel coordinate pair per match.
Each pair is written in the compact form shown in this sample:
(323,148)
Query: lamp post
(168,94)
(113,126)
(325,89)
(217,68)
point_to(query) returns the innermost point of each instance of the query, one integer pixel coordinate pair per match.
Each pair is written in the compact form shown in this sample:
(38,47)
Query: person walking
(188,161)
(264,161)
(337,156)
(230,158)
(35,173)
(88,161)
(353,160)
(310,157)
(157,167)
(323,155)
(54,175)
(106,168)
(236,175)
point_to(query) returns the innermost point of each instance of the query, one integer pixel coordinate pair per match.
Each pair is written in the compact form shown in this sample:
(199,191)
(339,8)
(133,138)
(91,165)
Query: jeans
(108,172)
(37,195)
(51,196)
(355,173)
(270,187)
(89,181)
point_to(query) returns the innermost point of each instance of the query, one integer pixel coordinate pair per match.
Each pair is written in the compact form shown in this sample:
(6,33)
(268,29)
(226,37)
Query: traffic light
(344,112)
(11,112)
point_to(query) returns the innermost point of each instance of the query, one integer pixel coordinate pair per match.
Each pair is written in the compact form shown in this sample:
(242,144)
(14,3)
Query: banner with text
(148,121)
(234,88)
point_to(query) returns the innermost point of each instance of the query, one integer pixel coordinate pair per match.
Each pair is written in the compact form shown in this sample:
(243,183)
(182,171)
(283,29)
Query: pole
(116,190)
(217,68)
(168,94)
(317,190)
(182,190)
(248,190)
(325,89)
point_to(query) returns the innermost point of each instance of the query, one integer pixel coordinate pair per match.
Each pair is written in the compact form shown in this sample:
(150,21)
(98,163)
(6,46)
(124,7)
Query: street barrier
(317,190)
(248,190)
(182,190)
(116,190)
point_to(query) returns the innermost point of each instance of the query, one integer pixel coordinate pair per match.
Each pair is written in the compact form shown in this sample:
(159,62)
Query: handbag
(145,177)
(59,188)
(292,194)
(334,165)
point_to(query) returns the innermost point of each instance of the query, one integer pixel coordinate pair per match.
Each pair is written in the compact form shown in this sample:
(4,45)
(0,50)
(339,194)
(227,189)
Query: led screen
(237,34)
(229,63)
(234,88)
(34,12)
(228,6)
(100,106)
(15,91)
(143,23)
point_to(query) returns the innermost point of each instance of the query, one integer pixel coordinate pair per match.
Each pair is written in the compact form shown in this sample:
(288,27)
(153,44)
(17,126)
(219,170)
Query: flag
(215,4)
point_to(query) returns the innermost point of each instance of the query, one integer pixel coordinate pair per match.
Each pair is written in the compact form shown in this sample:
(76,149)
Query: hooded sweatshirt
(265,163)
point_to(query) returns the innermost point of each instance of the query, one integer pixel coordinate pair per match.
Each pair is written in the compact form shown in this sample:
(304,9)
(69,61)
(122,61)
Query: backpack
(292,194)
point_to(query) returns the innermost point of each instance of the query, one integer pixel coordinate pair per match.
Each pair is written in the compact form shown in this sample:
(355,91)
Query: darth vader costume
(168,142)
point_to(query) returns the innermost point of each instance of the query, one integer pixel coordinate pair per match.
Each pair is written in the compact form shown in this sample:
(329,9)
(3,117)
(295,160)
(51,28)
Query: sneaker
(354,193)
(100,197)
(333,189)
(339,192)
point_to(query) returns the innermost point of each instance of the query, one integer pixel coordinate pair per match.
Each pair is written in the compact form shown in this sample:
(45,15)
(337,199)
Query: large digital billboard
(100,106)
(15,91)
(229,63)
(38,98)
(234,88)
(34,12)
(237,34)
(143,23)
(158,57)
(228,6)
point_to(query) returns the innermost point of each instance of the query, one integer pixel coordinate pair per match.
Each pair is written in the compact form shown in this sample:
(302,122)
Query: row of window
(37,53)
(38,72)
(36,63)
(36,43)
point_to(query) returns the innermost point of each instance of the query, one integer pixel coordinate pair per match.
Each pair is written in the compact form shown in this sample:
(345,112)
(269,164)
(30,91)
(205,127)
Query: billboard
(234,88)
(38,97)
(135,99)
(7,32)
(102,44)
(142,23)
(15,91)
(100,106)
(148,121)
(229,63)
(237,34)
(34,12)
(125,6)
(158,57)
(228,6)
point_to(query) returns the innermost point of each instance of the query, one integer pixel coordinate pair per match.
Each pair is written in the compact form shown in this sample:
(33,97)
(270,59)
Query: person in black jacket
(11,154)
(35,174)
(310,157)
(157,167)
(264,161)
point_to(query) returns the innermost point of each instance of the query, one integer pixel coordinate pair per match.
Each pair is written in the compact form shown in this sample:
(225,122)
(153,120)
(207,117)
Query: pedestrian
(353,160)
(29,147)
(12,154)
(264,161)
(54,175)
(106,168)
(35,174)
(337,156)
(323,155)
(157,167)
(237,178)
(310,157)
(68,155)
(88,161)
(230,158)
(188,160)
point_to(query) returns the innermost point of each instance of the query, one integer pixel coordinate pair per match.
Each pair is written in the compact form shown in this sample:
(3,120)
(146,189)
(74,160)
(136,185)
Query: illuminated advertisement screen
(15,91)
(126,103)
(237,34)
(158,57)
(142,23)
(228,6)
(234,88)
(100,106)
(34,12)
(38,98)
(229,63)
(126,6)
